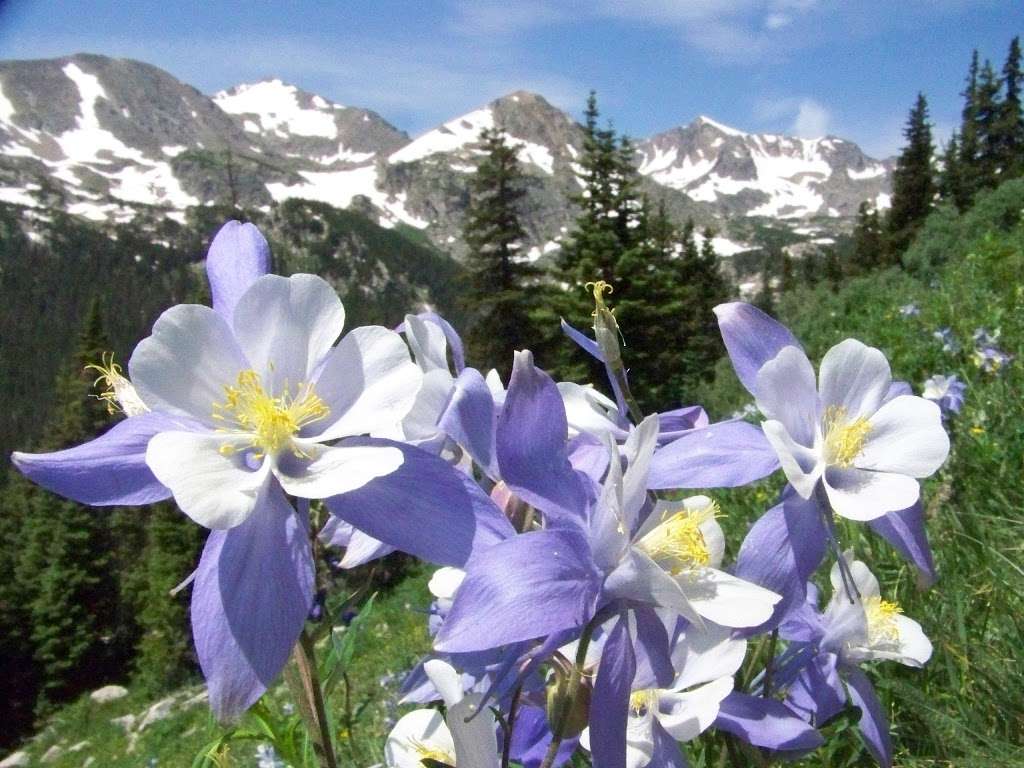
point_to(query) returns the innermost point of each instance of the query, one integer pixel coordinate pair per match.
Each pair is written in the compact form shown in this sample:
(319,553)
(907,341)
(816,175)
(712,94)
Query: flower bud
(565,709)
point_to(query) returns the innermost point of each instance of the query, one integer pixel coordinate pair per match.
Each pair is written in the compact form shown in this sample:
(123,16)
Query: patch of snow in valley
(18,196)
(883,200)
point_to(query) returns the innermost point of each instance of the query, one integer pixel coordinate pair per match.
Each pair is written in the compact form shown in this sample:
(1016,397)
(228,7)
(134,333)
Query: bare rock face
(108,693)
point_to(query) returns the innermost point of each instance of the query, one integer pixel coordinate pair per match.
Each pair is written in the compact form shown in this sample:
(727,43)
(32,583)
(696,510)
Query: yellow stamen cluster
(844,439)
(643,701)
(432,752)
(881,618)
(111,379)
(678,542)
(268,422)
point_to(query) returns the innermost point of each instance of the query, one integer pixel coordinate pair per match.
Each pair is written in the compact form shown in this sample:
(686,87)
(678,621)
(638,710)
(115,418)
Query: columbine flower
(266,757)
(244,403)
(991,359)
(983,338)
(948,339)
(910,310)
(945,391)
(847,432)
(826,649)
(465,738)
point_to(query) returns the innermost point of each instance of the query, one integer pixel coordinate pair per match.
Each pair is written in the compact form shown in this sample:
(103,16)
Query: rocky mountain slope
(101,137)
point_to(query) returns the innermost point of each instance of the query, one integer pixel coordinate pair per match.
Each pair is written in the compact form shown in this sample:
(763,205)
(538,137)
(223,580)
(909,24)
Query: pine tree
(500,280)
(913,182)
(1008,141)
(951,180)
(988,112)
(868,240)
(64,566)
(967,182)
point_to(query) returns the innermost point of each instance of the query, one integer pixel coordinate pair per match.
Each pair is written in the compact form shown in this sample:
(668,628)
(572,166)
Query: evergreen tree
(1008,141)
(868,240)
(499,278)
(65,565)
(913,182)
(951,182)
(967,183)
(988,112)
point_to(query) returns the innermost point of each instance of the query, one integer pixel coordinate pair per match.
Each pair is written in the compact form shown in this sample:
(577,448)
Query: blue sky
(847,67)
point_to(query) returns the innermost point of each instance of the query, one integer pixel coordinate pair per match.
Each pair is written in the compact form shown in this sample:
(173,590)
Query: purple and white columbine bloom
(945,391)
(846,432)
(910,310)
(244,403)
(948,339)
(827,648)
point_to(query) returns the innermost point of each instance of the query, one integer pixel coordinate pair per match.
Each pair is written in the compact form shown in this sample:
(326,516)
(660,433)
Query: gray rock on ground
(108,693)
(16,760)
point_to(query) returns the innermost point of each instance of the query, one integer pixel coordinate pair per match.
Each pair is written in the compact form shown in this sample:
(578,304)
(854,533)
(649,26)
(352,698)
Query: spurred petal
(183,367)
(722,455)
(905,530)
(855,377)
(368,381)
(752,339)
(642,580)
(873,725)
(609,706)
(238,256)
(906,437)
(110,470)
(703,656)
(427,342)
(426,508)
(359,547)
(531,443)
(638,450)
(252,593)
(651,646)
(216,490)
(786,392)
(781,551)
(527,587)
(335,470)
(473,732)
(861,494)
(285,326)
(765,723)
(450,334)
(667,753)
(470,418)
(818,692)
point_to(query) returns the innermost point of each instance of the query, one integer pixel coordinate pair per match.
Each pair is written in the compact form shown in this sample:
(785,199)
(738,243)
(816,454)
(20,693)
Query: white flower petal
(475,735)
(445,582)
(285,326)
(446,680)
(862,494)
(706,655)
(421,421)
(215,490)
(184,365)
(800,464)
(638,450)
(587,410)
(714,540)
(856,377)
(334,470)
(863,579)
(428,344)
(727,600)
(639,578)
(369,383)
(915,647)
(906,437)
(420,728)
(639,739)
(690,714)
(786,393)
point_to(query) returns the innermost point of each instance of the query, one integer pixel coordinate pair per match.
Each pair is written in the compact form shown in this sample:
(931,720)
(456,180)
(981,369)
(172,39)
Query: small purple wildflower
(991,359)
(945,391)
(948,339)
(910,310)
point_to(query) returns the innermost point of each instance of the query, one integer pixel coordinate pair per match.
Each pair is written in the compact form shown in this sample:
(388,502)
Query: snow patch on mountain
(450,137)
(276,106)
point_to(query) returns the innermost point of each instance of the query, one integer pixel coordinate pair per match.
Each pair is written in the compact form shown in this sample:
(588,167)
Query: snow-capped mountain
(104,138)
(764,174)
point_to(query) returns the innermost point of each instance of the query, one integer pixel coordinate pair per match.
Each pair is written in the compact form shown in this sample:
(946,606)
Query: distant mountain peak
(721,127)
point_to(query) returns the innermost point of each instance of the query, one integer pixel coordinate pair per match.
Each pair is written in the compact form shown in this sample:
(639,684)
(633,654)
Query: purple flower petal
(873,725)
(765,723)
(470,419)
(454,341)
(609,705)
(238,256)
(252,593)
(817,693)
(653,657)
(781,551)
(531,444)
(905,530)
(531,737)
(426,507)
(722,455)
(527,587)
(667,753)
(752,339)
(110,470)
(672,424)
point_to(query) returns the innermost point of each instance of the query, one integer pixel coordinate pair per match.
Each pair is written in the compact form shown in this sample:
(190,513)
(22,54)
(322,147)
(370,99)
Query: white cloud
(812,120)
(797,116)
(777,21)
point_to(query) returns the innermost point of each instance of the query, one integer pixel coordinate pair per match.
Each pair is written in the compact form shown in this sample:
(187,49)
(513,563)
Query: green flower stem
(304,684)
(575,677)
